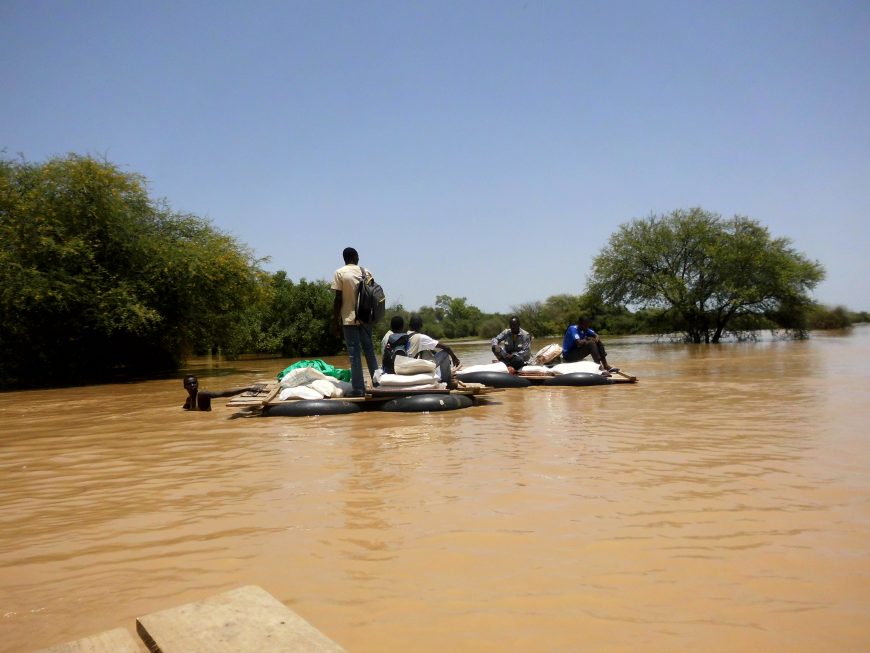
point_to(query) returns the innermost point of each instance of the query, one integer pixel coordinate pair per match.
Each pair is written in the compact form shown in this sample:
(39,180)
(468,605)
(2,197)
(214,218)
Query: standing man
(513,346)
(580,341)
(345,283)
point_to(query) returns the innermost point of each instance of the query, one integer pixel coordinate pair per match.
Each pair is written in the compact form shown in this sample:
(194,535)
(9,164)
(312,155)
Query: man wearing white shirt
(420,342)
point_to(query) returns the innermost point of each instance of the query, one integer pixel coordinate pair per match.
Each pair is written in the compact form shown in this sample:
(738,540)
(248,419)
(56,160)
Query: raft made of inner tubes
(308,407)
(427,403)
(578,379)
(495,379)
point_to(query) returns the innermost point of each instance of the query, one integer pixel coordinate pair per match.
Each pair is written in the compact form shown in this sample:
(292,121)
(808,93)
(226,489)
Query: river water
(720,504)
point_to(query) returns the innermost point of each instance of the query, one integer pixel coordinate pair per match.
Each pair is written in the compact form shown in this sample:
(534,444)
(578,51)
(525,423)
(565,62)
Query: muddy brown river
(720,504)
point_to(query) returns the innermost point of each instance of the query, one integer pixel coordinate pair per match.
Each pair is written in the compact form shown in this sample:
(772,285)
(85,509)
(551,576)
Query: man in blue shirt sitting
(580,341)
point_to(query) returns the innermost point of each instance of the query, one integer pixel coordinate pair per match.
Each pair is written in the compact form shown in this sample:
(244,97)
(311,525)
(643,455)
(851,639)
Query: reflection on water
(720,504)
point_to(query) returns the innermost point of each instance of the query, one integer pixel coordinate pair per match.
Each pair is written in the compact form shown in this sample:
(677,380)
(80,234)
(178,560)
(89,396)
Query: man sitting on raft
(397,326)
(580,341)
(419,344)
(201,399)
(513,346)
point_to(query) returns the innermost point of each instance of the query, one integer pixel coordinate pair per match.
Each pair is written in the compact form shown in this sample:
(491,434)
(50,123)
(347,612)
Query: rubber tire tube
(579,379)
(495,379)
(427,403)
(308,407)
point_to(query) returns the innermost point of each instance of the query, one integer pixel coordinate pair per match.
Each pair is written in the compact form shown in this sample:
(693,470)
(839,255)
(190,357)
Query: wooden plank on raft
(248,399)
(244,620)
(616,377)
(118,640)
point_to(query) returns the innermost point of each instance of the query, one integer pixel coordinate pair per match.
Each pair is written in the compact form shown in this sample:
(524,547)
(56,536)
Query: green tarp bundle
(320,366)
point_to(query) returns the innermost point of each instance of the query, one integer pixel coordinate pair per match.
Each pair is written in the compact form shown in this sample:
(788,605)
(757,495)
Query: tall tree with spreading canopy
(706,272)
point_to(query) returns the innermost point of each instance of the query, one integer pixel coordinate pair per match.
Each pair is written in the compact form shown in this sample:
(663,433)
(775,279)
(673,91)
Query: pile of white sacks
(411,374)
(309,383)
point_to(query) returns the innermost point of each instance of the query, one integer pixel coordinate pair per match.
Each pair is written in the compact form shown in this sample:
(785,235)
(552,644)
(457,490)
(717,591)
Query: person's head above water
(190,382)
(350,256)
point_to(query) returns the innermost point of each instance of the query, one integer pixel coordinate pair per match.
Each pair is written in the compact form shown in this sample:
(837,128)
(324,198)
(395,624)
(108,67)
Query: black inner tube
(427,403)
(495,379)
(306,407)
(579,379)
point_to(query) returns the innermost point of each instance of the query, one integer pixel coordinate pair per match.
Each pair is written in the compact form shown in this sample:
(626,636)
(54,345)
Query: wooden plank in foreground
(244,620)
(118,640)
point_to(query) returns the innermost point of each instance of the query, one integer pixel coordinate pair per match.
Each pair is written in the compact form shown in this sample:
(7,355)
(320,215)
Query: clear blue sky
(485,150)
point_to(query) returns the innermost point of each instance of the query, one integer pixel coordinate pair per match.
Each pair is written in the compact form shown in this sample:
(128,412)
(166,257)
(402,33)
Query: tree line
(98,281)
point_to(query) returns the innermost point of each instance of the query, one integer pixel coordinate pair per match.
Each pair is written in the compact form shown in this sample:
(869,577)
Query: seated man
(581,341)
(397,325)
(422,346)
(201,399)
(513,346)
(395,343)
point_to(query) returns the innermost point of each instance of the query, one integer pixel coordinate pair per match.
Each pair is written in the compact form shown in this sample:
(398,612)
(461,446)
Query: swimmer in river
(201,399)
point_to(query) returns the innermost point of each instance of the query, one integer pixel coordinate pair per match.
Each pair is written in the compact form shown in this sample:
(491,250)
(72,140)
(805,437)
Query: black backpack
(371,302)
(397,345)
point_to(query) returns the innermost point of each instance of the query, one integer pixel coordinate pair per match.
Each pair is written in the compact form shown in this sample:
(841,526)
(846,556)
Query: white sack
(435,385)
(299,392)
(406,365)
(325,388)
(493,367)
(302,376)
(535,369)
(581,366)
(547,354)
(404,380)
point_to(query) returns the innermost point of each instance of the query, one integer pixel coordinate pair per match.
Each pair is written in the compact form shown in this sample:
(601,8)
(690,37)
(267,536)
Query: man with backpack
(397,325)
(395,343)
(357,334)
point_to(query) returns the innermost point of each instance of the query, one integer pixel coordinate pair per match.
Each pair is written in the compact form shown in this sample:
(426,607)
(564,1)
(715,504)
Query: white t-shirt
(420,342)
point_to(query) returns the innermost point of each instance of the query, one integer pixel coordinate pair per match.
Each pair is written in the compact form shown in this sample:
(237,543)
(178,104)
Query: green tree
(825,317)
(432,321)
(706,272)
(97,279)
(460,319)
(298,318)
(491,325)
(532,316)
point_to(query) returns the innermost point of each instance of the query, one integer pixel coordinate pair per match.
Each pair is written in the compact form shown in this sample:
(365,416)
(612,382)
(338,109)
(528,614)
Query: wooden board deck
(118,640)
(244,620)
(616,377)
